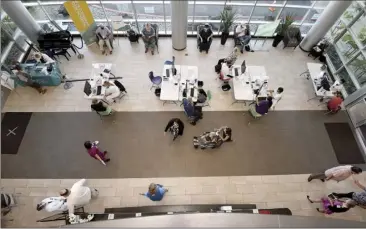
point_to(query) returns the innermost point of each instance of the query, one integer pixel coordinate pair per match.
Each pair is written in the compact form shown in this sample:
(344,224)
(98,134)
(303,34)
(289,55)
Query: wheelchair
(203,46)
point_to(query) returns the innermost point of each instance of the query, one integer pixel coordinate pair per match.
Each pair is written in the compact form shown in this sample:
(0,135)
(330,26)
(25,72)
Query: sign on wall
(83,20)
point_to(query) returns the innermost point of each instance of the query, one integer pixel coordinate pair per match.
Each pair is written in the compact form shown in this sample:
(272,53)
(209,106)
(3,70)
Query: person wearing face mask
(205,38)
(103,33)
(243,35)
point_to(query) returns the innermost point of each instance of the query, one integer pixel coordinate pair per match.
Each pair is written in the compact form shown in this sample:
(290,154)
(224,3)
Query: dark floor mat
(13,126)
(344,143)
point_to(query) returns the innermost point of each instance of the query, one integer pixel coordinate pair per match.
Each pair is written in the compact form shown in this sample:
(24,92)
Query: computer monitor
(243,67)
(87,88)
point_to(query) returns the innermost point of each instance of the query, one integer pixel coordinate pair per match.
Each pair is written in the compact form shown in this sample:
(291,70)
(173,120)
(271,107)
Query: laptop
(243,67)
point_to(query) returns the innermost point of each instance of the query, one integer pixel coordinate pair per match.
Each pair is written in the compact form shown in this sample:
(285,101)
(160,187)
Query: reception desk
(40,74)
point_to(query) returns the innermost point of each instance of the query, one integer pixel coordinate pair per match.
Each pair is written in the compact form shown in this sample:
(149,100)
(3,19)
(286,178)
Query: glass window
(297,13)
(56,12)
(359,29)
(299,3)
(358,68)
(265,13)
(149,11)
(348,85)
(208,12)
(97,11)
(313,15)
(347,46)
(229,2)
(36,12)
(5,40)
(351,12)
(321,4)
(121,9)
(8,25)
(337,30)
(270,2)
(334,57)
(242,12)
(13,55)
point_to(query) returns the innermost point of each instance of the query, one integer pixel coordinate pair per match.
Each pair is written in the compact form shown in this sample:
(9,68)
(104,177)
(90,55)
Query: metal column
(179,24)
(326,20)
(22,18)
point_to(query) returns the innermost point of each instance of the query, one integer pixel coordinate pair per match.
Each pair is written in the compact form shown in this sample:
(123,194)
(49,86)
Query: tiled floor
(283,66)
(265,191)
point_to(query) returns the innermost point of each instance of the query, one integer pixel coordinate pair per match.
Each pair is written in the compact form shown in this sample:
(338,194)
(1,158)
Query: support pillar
(22,18)
(324,23)
(179,24)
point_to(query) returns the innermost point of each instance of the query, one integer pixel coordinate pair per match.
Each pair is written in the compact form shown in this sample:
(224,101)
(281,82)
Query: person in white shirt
(338,173)
(52,204)
(78,195)
(111,92)
(243,35)
(104,34)
(277,96)
(43,58)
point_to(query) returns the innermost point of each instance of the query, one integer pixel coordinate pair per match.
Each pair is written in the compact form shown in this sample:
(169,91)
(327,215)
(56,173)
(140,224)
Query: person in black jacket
(100,108)
(175,126)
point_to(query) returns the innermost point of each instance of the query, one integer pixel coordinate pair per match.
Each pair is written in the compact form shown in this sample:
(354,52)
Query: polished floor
(277,144)
(283,66)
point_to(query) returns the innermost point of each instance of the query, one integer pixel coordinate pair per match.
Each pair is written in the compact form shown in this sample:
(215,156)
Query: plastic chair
(155,80)
(118,25)
(121,88)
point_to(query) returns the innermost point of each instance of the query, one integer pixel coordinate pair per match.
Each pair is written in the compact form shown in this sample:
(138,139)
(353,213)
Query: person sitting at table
(336,87)
(334,104)
(101,108)
(276,96)
(43,58)
(27,79)
(260,108)
(103,33)
(230,60)
(148,36)
(111,91)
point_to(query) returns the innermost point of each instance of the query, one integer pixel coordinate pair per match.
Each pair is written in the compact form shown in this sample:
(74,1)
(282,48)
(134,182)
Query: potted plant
(227,17)
(282,28)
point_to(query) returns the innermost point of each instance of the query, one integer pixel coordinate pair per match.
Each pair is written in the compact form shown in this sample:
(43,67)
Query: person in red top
(94,151)
(334,104)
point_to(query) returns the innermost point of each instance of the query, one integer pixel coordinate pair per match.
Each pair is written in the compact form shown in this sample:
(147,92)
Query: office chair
(155,80)
(122,89)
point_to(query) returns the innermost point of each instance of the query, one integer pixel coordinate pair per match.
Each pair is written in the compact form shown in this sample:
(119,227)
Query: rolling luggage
(132,36)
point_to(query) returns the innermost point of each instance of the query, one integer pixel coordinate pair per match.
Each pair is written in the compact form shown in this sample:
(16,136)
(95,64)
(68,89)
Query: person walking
(156,192)
(94,152)
(358,197)
(338,173)
(78,195)
(175,126)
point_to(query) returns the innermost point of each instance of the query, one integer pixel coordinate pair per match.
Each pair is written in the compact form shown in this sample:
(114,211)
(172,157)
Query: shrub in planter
(227,17)
(282,28)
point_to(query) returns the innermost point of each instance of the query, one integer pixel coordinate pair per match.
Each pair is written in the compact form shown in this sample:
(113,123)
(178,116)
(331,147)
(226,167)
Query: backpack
(217,68)
(226,87)
(132,35)
(157,92)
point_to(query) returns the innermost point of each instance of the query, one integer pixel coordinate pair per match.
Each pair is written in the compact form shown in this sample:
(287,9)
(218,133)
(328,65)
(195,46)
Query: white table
(172,87)
(100,73)
(314,71)
(245,84)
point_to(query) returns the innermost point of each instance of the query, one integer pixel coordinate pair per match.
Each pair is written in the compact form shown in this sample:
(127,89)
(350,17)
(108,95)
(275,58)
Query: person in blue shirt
(156,192)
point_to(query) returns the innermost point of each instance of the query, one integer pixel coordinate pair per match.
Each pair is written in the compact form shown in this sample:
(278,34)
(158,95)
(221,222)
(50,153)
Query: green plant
(227,17)
(285,24)
(362,35)
(348,15)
